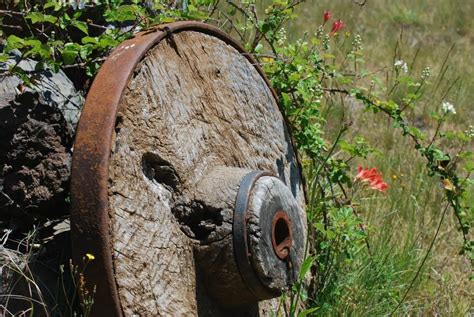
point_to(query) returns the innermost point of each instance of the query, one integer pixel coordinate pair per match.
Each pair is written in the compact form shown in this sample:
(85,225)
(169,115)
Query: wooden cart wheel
(185,184)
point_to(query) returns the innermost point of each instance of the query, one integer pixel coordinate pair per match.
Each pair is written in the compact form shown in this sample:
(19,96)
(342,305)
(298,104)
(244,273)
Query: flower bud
(327,15)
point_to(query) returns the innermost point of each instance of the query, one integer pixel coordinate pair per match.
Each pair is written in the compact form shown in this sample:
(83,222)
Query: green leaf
(307,263)
(330,234)
(88,39)
(439,155)
(77,14)
(69,57)
(38,49)
(37,17)
(64,21)
(435,116)
(70,53)
(53,4)
(308,311)
(107,41)
(86,50)
(81,26)
(417,133)
(294,77)
(92,69)
(319,226)
(14,42)
(123,13)
(391,105)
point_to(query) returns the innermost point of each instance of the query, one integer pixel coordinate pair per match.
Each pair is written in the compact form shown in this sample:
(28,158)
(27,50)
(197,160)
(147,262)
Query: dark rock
(37,126)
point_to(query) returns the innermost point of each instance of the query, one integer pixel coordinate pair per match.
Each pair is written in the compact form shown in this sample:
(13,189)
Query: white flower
(402,65)
(425,74)
(281,35)
(448,107)
(470,132)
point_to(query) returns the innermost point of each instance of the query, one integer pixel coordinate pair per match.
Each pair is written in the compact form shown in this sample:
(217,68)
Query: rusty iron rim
(92,148)
(240,237)
(282,234)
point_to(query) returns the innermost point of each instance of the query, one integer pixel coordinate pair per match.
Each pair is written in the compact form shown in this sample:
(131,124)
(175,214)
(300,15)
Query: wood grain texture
(269,197)
(194,103)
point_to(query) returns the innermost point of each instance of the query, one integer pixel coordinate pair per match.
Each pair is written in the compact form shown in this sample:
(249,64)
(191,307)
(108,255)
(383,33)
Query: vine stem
(430,248)
(326,159)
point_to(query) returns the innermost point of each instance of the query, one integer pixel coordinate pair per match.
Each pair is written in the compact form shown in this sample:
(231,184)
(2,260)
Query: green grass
(403,222)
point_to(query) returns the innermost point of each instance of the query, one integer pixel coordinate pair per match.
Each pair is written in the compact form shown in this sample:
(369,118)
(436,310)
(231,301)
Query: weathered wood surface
(193,104)
(266,194)
(216,255)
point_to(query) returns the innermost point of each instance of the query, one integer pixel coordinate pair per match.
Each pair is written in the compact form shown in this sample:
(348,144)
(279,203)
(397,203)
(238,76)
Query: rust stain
(282,234)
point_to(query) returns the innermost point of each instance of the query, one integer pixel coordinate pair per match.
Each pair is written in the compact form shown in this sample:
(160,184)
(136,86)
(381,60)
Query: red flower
(373,177)
(366,174)
(336,26)
(327,15)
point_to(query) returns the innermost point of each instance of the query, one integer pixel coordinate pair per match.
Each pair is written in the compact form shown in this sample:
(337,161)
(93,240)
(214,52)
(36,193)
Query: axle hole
(282,237)
(282,232)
